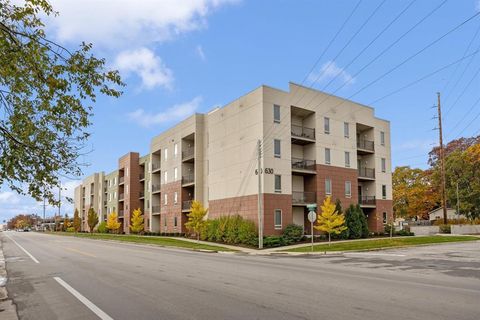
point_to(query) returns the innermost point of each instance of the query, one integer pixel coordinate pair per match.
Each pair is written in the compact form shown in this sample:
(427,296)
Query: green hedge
(230,230)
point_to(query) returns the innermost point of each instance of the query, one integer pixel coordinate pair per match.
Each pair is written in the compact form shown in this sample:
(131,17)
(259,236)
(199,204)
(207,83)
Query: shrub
(445,228)
(230,229)
(404,233)
(344,234)
(363,222)
(102,227)
(70,229)
(273,241)
(247,233)
(353,223)
(293,233)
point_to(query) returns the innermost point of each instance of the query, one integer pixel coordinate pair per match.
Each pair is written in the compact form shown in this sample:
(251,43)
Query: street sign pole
(312,216)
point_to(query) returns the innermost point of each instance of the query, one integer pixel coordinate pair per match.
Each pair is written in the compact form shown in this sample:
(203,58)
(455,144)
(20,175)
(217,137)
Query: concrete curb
(8,310)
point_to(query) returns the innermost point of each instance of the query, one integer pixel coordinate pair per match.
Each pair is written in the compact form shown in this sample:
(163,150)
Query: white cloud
(9,197)
(175,113)
(328,71)
(200,53)
(145,64)
(125,23)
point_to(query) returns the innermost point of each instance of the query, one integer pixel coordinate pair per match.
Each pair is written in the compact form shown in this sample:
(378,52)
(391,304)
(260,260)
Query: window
(328,186)
(175,222)
(278,219)
(326,125)
(175,197)
(165,220)
(165,154)
(175,149)
(127,189)
(327,156)
(114,181)
(276,113)
(126,172)
(384,217)
(278,183)
(276,148)
(384,165)
(384,191)
(109,197)
(175,174)
(348,189)
(165,177)
(165,199)
(382,138)
(346,130)
(347,159)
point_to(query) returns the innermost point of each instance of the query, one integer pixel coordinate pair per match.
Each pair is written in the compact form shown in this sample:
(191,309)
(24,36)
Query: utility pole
(458,205)
(59,198)
(442,161)
(260,211)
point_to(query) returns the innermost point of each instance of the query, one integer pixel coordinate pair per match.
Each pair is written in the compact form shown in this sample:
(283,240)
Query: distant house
(438,214)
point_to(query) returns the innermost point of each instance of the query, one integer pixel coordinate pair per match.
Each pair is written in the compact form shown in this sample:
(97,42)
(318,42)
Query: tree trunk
(329,239)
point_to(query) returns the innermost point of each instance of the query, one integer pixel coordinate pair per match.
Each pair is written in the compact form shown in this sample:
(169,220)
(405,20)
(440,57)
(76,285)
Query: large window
(328,186)
(327,155)
(165,199)
(165,154)
(384,165)
(384,191)
(278,219)
(175,150)
(348,189)
(278,183)
(165,177)
(276,113)
(347,159)
(326,125)
(346,130)
(382,138)
(175,174)
(276,148)
(175,197)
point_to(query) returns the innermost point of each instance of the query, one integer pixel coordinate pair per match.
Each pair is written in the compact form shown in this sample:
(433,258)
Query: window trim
(275,225)
(348,195)
(279,155)
(383,164)
(276,107)
(346,130)
(384,194)
(326,125)
(275,183)
(329,152)
(385,217)
(347,156)
(382,138)
(330,184)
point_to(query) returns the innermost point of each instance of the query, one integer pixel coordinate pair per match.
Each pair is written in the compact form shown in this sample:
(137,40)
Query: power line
(465,115)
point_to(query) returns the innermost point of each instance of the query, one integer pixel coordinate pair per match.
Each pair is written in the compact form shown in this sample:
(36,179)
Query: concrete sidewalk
(8,311)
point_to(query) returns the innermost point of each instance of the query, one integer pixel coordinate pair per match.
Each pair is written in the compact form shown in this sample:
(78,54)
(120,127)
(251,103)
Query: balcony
(155,209)
(188,155)
(155,188)
(120,213)
(302,135)
(188,179)
(105,203)
(303,166)
(155,166)
(121,197)
(365,146)
(187,205)
(141,176)
(141,194)
(366,173)
(300,198)
(367,201)
(121,180)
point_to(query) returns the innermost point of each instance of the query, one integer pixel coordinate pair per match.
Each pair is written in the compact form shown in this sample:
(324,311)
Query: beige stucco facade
(313,145)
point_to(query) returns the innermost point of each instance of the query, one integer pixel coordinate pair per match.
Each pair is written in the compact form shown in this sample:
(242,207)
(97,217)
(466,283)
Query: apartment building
(313,145)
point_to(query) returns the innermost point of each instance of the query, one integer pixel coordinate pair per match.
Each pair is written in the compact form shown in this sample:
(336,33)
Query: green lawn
(160,241)
(382,243)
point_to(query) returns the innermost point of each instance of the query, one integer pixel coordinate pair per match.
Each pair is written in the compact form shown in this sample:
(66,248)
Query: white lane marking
(376,254)
(102,315)
(28,253)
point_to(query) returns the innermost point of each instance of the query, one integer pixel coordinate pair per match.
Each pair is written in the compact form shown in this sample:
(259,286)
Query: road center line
(99,312)
(81,252)
(375,254)
(23,249)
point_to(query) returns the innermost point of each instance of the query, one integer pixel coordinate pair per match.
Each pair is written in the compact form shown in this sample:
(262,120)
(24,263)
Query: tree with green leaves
(353,223)
(363,221)
(196,218)
(47,95)
(136,222)
(329,221)
(77,222)
(92,219)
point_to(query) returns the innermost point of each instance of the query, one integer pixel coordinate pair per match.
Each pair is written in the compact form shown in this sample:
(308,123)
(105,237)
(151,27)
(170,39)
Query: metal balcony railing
(366,173)
(155,166)
(120,213)
(299,197)
(189,178)
(105,202)
(366,145)
(155,209)
(155,187)
(141,194)
(366,200)
(121,180)
(141,176)
(303,132)
(121,196)
(188,153)
(303,164)
(187,204)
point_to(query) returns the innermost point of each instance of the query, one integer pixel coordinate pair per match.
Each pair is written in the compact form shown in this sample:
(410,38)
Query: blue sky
(179,57)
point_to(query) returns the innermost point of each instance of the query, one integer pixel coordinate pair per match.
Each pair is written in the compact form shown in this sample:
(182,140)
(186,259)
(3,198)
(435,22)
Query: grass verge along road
(383,243)
(159,241)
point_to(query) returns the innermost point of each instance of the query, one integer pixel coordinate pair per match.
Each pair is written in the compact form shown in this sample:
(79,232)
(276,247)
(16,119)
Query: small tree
(92,219)
(363,221)
(112,222)
(77,222)
(136,225)
(66,223)
(329,220)
(339,210)
(353,223)
(196,218)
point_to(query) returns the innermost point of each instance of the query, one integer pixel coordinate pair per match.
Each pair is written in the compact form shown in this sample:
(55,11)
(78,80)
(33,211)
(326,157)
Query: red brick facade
(170,210)
(130,163)
(375,216)
(338,176)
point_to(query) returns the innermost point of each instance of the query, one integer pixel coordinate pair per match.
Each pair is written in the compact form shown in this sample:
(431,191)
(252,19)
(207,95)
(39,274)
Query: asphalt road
(123,281)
